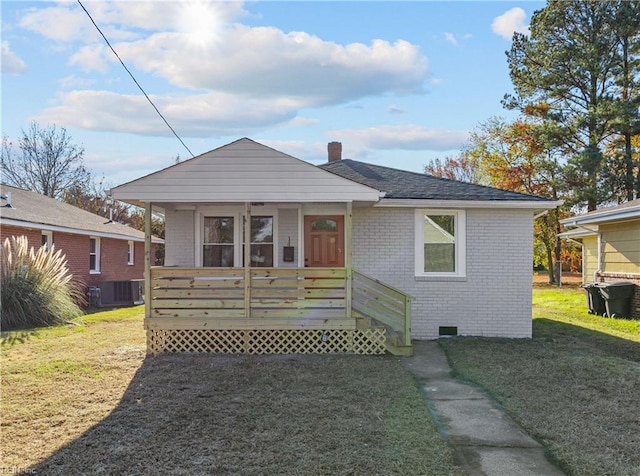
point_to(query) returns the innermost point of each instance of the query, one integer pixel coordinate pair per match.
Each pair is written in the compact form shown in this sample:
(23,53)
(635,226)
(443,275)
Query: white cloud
(191,116)
(60,23)
(393,109)
(405,137)
(514,20)
(450,37)
(295,64)
(91,58)
(72,81)
(11,62)
(242,78)
(120,20)
(315,152)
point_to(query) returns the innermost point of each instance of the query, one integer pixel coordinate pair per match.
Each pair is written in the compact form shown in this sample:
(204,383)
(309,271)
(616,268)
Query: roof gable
(402,184)
(34,210)
(243,171)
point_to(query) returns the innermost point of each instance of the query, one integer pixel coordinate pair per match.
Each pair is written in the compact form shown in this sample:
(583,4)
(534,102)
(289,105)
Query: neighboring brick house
(328,244)
(610,240)
(100,254)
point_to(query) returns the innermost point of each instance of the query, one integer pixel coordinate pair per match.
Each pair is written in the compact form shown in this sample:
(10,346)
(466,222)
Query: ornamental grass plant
(36,287)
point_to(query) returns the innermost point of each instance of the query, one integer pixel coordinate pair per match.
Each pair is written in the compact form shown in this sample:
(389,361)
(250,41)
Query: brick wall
(113,255)
(494,299)
(630,277)
(33,236)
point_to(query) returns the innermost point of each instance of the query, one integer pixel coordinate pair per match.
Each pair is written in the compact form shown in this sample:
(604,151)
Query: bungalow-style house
(107,258)
(610,239)
(267,253)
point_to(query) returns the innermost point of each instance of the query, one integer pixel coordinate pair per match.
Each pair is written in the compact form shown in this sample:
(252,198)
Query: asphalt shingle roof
(402,184)
(34,208)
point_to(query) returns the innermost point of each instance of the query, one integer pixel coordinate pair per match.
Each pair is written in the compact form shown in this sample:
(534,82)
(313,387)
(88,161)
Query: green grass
(568,305)
(83,399)
(574,386)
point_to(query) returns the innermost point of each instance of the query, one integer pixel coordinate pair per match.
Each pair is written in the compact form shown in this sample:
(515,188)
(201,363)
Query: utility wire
(134,79)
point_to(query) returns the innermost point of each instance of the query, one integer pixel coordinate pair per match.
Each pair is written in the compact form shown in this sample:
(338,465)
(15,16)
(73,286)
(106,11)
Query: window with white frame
(47,239)
(440,243)
(218,248)
(130,250)
(94,255)
(262,241)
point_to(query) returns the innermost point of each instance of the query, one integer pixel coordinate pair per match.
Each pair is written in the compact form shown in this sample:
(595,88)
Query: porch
(274,310)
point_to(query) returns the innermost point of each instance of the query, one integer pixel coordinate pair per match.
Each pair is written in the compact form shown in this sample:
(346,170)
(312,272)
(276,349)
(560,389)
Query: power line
(134,79)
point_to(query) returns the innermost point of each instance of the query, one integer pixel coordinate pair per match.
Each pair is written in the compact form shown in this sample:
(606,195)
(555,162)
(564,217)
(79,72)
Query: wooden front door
(324,241)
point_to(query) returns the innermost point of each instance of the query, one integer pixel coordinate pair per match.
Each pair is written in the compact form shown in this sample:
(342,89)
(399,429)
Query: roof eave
(439,203)
(603,217)
(74,231)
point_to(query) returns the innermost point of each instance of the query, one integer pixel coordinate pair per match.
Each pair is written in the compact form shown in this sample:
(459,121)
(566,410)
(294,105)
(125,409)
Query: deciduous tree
(49,162)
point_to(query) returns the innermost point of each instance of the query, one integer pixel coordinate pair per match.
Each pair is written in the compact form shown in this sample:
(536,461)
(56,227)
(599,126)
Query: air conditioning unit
(122,293)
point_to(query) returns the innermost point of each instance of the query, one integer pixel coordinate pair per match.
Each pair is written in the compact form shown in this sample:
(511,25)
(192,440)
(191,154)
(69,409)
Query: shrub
(37,288)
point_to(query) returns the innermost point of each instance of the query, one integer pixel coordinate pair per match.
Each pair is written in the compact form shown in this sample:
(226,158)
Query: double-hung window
(218,249)
(440,243)
(94,255)
(262,241)
(47,239)
(130,250)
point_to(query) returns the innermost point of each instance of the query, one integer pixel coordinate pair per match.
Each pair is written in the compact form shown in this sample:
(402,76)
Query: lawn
(84,399)
(574,386)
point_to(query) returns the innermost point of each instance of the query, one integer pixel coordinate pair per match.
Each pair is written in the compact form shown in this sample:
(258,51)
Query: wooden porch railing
(276,299)
(273,292)
(384,303)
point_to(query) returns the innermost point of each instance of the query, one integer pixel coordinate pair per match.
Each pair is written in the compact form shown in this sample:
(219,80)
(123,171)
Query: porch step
(393,343)
(394,349)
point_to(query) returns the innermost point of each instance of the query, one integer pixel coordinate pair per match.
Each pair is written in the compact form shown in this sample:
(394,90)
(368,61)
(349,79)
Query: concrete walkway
(484,439)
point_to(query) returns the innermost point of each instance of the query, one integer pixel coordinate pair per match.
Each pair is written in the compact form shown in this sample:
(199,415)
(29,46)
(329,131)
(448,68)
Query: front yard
(574,386)
(85,400)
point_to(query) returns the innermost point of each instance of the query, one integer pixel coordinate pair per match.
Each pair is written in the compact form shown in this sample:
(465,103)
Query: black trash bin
(617,297)
(595,301)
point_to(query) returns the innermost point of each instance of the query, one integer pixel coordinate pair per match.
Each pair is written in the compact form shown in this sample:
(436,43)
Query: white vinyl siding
(244,171)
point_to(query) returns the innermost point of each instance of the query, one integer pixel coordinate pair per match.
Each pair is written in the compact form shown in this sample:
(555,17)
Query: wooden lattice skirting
(366,341)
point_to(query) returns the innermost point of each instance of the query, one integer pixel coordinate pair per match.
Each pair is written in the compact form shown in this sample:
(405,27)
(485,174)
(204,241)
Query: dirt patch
(541,278)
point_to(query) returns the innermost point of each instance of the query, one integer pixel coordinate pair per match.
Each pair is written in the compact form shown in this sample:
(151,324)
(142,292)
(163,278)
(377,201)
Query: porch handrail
(181,292)
(382,302)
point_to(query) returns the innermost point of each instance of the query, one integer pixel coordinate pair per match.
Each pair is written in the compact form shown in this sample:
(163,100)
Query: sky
(398,83)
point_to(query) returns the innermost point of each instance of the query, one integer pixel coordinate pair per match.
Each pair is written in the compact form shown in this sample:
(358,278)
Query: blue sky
(398,83)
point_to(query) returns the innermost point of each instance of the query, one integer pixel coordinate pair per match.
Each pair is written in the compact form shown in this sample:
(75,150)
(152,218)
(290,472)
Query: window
(47,239)
(218,247)
(130,249)
(262,241)
(440,243)
(94,255)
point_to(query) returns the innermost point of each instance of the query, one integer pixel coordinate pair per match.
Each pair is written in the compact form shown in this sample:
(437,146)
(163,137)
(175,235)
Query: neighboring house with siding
(610,239)
(100,253)
(455,257)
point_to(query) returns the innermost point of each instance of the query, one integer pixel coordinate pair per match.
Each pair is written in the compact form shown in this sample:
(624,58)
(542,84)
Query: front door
(324,241)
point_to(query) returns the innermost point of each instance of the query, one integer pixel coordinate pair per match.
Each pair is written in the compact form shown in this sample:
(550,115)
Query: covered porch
(274,310)
(259,259)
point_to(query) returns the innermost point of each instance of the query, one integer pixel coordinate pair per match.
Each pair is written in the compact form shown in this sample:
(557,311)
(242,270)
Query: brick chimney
(335,151)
